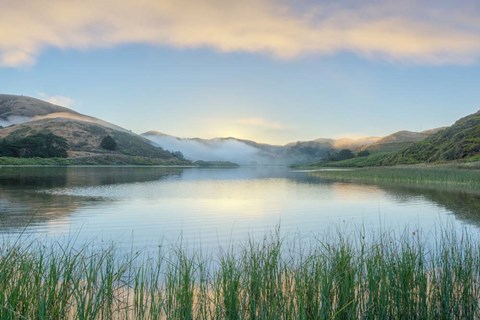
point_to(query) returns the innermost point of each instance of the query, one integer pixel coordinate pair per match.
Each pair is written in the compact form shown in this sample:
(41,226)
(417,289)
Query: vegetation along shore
(388,276)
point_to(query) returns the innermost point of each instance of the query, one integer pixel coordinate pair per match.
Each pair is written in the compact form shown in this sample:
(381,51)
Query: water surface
(143,205)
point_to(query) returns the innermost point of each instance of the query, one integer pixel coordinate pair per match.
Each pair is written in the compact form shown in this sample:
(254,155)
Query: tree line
(41,145)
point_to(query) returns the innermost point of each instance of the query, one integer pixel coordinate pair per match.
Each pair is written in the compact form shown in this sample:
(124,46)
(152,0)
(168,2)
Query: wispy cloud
(421,31)
(262,123)
(58,100)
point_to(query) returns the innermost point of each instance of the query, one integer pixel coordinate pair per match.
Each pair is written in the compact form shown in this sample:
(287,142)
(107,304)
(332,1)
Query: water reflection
(219,203)
(464,204)
(56,177)
(24,201)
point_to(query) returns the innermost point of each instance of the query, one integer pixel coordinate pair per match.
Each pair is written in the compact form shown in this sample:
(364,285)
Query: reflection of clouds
(239,207)
(356,192)
(60,225)
(190,189)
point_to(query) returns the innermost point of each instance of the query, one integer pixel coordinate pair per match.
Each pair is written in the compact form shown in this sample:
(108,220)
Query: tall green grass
(390,277)
(422,176)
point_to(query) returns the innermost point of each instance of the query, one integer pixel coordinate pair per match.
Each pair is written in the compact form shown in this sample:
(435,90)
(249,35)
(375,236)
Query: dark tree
(363,153)
(42,145)
(6,149)
(178,155)
(108,143)
(345,154)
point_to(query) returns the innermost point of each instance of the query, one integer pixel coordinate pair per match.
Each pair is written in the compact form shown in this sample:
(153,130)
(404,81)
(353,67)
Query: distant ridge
(399,140)
(459,142)
(250,152)
(22,116)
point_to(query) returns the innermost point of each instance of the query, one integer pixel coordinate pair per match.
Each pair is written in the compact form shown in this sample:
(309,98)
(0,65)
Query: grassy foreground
(345,278)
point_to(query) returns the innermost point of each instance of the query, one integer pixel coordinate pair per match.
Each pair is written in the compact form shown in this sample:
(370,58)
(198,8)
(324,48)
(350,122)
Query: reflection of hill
(63,177)
(23,202)
(21,209)
(463,203)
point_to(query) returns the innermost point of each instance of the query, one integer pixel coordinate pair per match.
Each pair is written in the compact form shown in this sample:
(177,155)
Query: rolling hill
(460,141)
(22,116)
(399,140)
(19,109)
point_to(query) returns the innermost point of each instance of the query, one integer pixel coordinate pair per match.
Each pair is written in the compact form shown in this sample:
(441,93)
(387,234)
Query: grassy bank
(420,175)
(345,278)
(373,160)
(384,159)
(90,160)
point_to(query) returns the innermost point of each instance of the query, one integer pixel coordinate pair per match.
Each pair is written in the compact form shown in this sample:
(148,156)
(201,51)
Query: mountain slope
(460,141)
(22,106)
(399,140)
(26,116)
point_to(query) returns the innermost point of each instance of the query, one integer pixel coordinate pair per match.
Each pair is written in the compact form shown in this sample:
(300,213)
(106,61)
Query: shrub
(363,153)
(108,143)
(42,145)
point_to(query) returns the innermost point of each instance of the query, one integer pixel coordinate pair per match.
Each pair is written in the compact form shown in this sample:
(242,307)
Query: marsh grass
(390,277)
(421,176)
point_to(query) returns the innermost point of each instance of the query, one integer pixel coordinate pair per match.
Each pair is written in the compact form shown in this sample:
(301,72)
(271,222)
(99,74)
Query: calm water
(211,206)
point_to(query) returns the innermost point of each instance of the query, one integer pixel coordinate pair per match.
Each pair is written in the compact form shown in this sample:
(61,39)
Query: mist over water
(214,150)
(243,152)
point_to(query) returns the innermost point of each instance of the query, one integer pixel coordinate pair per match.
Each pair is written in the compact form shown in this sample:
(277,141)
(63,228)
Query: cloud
(422,31)
(11,120)
(261,123)
(58,100)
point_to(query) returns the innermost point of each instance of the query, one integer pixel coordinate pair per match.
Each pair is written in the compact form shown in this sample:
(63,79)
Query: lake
(142,206)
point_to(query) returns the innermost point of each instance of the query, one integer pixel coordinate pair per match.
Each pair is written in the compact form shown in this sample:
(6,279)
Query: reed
(388,276)
(421,176)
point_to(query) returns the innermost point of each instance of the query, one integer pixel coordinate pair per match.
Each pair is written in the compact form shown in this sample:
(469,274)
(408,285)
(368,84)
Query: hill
(241,151)
(460,141)
(12,107)
(25,116)
(399,140)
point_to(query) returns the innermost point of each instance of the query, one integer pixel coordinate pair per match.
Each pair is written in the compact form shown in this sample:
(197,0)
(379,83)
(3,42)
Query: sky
(270,71)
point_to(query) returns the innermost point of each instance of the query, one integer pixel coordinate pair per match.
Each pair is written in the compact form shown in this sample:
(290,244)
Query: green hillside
(397,141)
(460,141)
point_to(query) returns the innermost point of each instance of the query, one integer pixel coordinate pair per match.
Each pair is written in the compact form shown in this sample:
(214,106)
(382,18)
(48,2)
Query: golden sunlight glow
(391,30)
